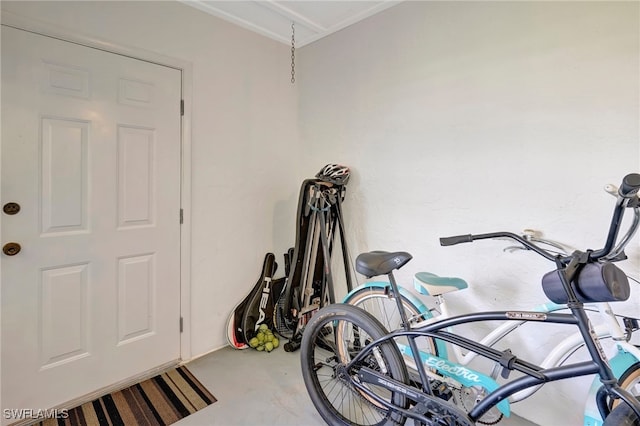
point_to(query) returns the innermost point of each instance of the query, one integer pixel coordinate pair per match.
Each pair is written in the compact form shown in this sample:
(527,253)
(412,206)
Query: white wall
(472,117)
(243,132)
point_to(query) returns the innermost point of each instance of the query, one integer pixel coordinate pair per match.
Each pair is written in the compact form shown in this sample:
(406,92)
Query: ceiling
(313,19)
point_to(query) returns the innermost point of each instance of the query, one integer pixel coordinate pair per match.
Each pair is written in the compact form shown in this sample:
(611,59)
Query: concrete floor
(257,388)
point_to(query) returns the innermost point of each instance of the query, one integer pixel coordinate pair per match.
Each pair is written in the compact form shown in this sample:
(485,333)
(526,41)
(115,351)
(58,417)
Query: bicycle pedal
(441,390)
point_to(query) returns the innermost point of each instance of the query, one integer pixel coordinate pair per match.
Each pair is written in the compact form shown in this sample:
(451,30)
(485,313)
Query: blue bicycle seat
(433,285)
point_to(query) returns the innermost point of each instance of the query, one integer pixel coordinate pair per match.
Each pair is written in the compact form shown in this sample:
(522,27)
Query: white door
(91,154)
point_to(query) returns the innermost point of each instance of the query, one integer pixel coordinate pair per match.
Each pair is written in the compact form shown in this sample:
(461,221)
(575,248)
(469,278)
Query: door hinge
(181,216)
(181,107)
(181,325)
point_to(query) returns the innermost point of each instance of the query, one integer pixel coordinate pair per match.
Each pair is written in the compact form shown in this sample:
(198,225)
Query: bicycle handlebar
(458,239)
(627,197)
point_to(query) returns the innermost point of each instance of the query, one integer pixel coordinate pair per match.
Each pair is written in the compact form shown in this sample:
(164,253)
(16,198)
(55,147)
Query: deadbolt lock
(11,249)
(11,208)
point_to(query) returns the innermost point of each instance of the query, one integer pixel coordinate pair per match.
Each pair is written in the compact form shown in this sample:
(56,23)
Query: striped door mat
(161,400)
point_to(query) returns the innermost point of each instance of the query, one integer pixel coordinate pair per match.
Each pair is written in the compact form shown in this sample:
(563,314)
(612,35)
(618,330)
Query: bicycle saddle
(376,263)
(433,285)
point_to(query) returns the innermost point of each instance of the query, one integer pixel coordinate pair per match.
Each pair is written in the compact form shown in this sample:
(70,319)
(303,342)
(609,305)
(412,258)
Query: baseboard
(210,351)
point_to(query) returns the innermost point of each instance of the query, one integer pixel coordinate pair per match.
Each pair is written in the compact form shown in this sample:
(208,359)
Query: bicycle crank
(469,397)
(440,412)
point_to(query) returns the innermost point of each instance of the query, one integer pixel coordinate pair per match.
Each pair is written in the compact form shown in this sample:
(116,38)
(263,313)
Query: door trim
(186,68)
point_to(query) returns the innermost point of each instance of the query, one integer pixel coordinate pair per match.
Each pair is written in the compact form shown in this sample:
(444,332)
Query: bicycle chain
(436,408)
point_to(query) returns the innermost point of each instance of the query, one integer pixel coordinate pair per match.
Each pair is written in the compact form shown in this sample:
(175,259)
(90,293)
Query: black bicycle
(358,373)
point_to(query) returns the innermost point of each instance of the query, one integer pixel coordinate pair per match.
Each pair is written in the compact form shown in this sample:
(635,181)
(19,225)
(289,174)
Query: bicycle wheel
(630,381)
(335,334)
(622,415)
(377,302)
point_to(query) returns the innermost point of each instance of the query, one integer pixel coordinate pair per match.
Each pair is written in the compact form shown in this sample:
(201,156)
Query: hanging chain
(293,53)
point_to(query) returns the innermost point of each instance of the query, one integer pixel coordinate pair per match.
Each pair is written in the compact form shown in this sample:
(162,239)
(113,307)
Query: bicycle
(378,298)
(356,373)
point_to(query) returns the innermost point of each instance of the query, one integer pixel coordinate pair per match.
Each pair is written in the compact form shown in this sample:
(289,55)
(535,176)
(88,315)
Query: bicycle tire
(376,301)
(622,415)
(332,337)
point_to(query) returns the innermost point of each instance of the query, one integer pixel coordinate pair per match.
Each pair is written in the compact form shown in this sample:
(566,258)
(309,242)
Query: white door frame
(50,30)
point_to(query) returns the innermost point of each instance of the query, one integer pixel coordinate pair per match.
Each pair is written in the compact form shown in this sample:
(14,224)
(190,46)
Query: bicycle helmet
(334,173)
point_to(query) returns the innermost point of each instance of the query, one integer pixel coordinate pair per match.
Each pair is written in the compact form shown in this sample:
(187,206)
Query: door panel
(91,152)
(64,167)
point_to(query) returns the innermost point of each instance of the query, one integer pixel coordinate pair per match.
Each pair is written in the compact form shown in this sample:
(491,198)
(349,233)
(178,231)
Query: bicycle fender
(619,364)
(403,292)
